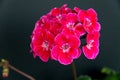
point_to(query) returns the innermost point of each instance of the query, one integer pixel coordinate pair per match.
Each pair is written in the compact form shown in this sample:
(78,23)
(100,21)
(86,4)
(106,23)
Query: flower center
(70,25)
(65,47)
(88,22)
(45,45)
(89,45)
(59,17)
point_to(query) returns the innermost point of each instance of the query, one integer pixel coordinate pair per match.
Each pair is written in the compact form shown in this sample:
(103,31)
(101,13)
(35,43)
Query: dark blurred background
(17,20)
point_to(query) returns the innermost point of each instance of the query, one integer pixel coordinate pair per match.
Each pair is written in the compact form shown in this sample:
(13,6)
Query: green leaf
(84,78)
(118,75)
(108,71)
(112,77)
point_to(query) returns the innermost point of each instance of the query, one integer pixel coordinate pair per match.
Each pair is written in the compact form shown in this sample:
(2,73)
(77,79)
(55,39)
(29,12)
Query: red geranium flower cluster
(57,35)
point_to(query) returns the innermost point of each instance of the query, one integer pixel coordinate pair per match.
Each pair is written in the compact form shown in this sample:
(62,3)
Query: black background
(17,19)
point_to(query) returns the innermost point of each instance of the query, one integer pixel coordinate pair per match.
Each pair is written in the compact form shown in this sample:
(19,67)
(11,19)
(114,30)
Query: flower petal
(81,15)
(65,59)
(75,53)
(60,39)
(79,30)
(93,15)
(75,42)
(96,26)
(93,36)
(71,17)
(90,53)
(65,9)
(45,56)
(55,11)
(76,9)
(55,52)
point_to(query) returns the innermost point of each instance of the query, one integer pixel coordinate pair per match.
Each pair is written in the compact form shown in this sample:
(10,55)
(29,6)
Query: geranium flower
(72,26)
(57,34)
(43,22)
(42,42)
(89,20)
(58,13)
(77,30)
(91,49)
(65,49)
(69,20)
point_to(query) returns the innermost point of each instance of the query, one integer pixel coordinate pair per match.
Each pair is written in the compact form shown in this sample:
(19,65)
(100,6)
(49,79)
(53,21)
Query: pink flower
(90,26)
(57,34)
(91,49)
(58,13)
(65,49)
(71,26)
(43,22)
(69,20)
(77,30)
(89,20)
(42,42)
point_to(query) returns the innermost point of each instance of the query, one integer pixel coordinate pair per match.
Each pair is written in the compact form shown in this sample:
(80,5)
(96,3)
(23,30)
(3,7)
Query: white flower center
(65,47)
(70,25)
(88,22)
(89,45)
(45,45)
(59,17)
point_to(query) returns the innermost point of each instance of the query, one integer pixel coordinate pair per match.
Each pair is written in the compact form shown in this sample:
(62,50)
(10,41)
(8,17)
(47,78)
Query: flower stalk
(74,71)
(5,64)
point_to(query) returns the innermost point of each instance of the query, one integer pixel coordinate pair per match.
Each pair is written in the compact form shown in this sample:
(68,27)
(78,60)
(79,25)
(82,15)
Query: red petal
(79,29)
(55,52)
(90,53)
(60,39)
(74,53)
(71,17)
(76,9)
(65,9)
(93,36)
(50,38)
(96,26)
(55,11)
(68,32)
(65,59)
(74,41)
(93,15)
(81,15)
(45,56)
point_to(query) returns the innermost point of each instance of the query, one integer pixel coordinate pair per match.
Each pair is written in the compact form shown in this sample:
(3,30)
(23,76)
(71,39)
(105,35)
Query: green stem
(74,71)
